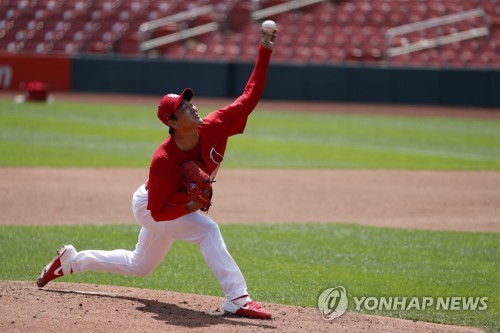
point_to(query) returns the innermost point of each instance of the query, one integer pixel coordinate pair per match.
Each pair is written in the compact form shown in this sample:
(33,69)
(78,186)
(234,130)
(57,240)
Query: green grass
(295,262)
(75,134)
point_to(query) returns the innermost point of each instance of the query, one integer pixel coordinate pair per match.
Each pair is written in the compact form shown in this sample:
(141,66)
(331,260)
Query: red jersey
(167,197)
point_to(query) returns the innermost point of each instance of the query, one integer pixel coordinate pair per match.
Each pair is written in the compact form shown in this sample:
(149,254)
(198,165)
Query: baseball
(268,26)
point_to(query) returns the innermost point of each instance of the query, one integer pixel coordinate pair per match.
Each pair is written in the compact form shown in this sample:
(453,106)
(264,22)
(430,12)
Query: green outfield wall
(344,83)
(338,83)
(149,76)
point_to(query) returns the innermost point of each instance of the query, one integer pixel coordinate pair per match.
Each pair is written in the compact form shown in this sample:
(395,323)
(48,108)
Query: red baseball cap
(171,102)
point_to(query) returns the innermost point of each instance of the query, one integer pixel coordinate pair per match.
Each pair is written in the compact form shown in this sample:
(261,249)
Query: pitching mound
(66,307)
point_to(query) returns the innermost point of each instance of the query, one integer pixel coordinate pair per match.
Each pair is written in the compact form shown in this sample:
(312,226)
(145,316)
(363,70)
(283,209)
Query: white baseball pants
(156,239)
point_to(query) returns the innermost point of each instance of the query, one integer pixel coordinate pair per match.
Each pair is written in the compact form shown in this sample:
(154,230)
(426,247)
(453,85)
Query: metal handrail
(183,34)
(189,14)
(284,7)
(437,41)
(145,27)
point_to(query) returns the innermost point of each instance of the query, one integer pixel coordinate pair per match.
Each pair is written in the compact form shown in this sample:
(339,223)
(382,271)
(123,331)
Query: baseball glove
(198,184)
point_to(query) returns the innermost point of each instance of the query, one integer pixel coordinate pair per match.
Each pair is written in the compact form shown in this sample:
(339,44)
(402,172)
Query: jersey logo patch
(217,159)
(215,156)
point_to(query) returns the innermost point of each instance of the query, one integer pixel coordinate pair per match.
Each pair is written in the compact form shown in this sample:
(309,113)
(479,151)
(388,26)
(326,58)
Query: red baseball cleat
(245,307)
(59,266)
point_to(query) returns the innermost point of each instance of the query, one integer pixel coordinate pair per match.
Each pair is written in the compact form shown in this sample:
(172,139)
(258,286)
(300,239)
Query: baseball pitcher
(181,177)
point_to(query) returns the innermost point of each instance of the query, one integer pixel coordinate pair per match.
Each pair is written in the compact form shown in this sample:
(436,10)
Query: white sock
(242,301)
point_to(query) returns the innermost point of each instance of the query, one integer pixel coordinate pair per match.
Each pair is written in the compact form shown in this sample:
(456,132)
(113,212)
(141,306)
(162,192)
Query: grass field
(367,261)
(72,134)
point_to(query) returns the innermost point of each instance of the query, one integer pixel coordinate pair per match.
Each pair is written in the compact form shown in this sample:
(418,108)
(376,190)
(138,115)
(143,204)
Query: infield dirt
(66,307)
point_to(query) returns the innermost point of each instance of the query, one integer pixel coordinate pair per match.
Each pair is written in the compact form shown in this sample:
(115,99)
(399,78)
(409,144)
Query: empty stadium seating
(325,32)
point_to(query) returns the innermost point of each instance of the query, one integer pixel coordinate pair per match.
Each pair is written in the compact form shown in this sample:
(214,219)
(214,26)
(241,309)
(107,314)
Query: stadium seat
(319,55)
(239,16)
(329,31)
(66,47)
(128,44)
(248,52)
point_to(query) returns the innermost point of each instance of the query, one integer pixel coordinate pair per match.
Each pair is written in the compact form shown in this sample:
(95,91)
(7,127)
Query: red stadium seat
(128,44)
(329,31)
(239,16)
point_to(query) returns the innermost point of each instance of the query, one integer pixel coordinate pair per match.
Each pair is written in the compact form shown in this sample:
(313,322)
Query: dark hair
(170,129)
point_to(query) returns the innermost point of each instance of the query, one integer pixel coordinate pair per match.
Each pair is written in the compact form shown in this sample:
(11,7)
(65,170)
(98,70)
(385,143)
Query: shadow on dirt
(172,314)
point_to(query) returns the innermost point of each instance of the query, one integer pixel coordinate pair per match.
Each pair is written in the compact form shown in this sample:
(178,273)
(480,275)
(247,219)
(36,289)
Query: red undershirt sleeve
(236,113)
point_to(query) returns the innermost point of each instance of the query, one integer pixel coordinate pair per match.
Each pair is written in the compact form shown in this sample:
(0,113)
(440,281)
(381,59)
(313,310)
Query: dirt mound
(66,307)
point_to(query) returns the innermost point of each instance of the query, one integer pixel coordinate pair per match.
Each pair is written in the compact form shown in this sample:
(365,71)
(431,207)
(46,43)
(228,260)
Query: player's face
(187,115)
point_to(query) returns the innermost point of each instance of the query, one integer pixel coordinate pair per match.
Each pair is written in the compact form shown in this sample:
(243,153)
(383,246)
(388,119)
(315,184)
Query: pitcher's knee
(212,228)
(141,268)
(143,273)
(212,237)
